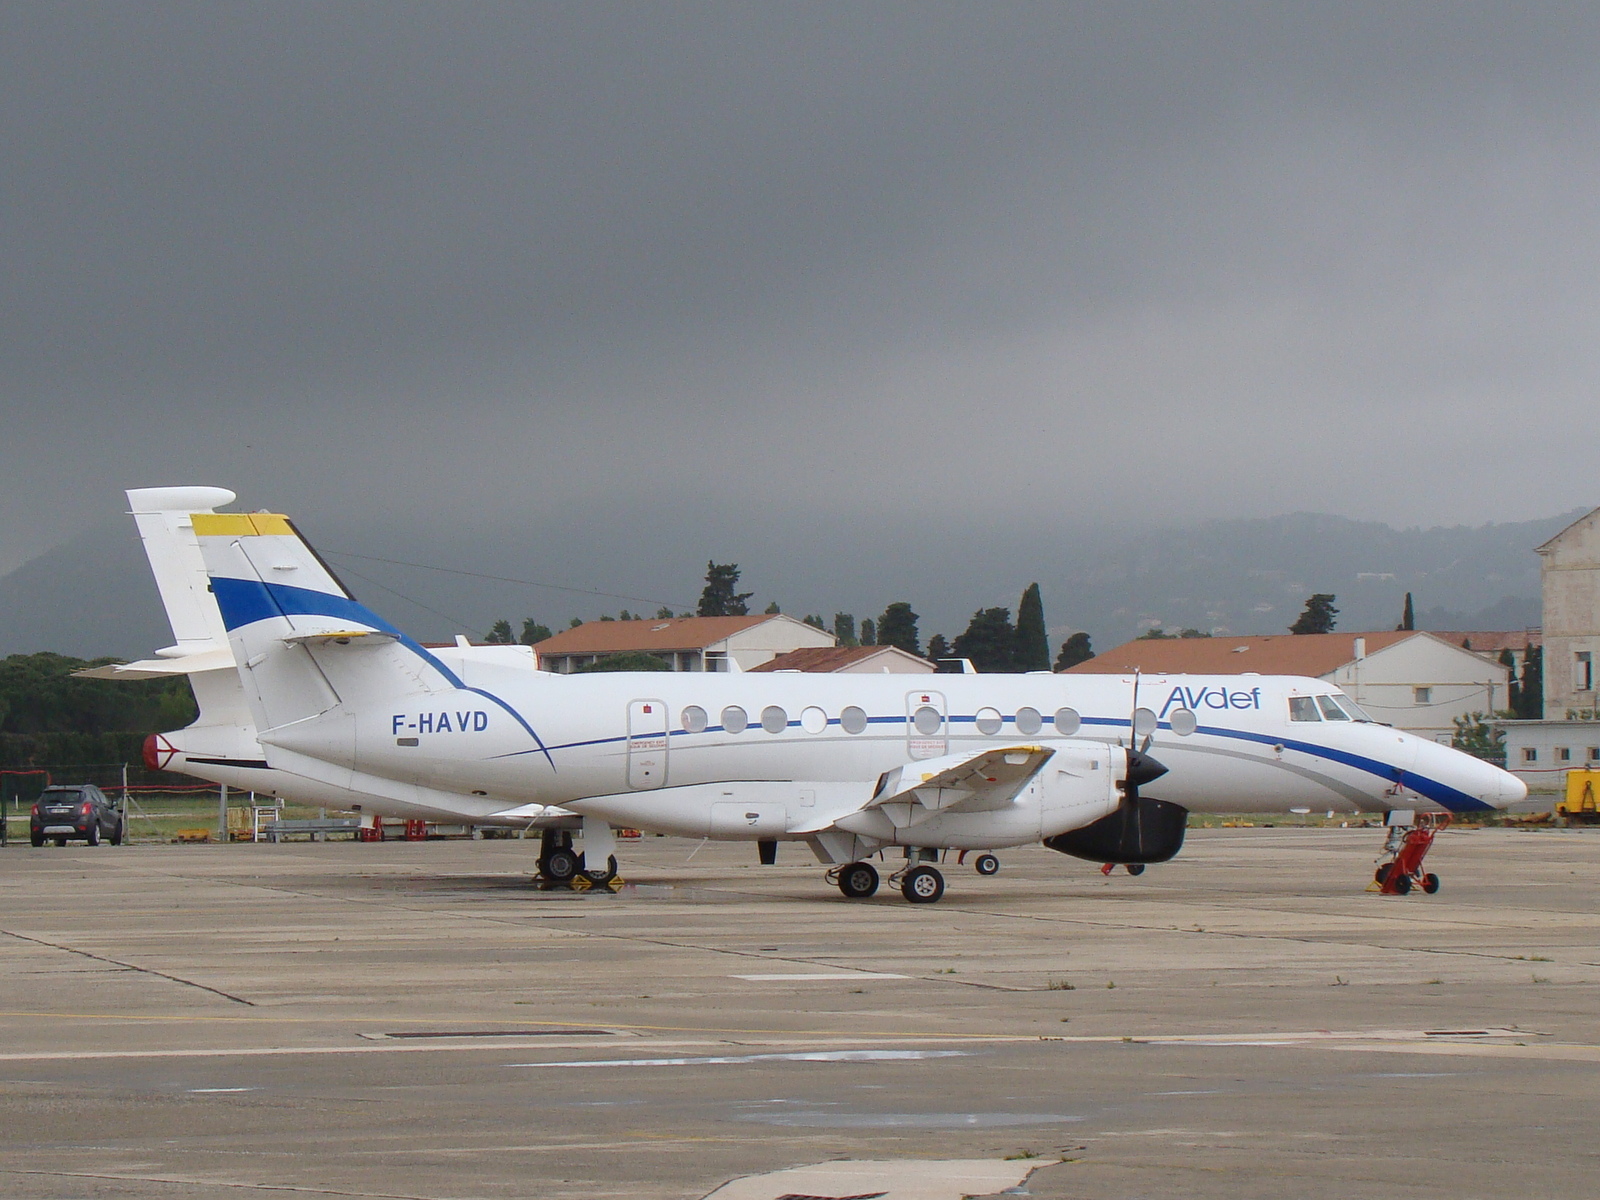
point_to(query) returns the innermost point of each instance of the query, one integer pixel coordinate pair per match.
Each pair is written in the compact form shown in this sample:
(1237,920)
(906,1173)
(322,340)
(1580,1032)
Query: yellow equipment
(1582,801)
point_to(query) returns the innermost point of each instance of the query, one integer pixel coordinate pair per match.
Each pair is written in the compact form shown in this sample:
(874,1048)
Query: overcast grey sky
(742,275)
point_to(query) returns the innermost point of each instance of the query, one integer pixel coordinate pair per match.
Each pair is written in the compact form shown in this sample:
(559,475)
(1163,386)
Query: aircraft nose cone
(1512,790)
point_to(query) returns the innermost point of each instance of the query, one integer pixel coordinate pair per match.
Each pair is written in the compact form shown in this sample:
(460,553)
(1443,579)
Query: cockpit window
(1357,713)
(1303,708)
(1331,710)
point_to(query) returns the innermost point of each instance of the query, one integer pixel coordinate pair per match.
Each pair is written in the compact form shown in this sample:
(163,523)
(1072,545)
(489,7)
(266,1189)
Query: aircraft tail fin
(303,645)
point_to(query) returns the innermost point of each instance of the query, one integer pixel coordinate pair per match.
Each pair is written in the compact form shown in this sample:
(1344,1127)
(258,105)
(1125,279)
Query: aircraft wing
(981,782)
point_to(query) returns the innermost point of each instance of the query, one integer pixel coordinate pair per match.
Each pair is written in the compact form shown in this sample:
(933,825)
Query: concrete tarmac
(414,1020)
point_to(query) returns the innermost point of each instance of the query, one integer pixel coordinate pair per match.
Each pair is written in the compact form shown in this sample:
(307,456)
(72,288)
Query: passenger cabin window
(1303,708)
(1331,710)
(853,720)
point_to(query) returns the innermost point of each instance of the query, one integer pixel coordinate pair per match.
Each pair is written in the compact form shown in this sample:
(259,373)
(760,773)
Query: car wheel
(93,837)
(36,838)
(116,833)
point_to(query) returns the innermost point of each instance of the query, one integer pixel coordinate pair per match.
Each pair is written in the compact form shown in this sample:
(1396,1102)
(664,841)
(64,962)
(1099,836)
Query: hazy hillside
(94,596)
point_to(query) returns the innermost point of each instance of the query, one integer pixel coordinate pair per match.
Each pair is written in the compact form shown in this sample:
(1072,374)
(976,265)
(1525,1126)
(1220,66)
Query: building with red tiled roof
(859,660)
(684,643)
(1411,679)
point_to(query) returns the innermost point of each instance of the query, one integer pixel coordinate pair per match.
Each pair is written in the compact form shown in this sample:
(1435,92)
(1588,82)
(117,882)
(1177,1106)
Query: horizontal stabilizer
(215,658)
(342,637)
(980,782)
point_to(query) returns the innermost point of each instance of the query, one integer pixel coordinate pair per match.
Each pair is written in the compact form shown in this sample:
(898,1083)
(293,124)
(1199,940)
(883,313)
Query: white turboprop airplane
(849,764)
(221,745)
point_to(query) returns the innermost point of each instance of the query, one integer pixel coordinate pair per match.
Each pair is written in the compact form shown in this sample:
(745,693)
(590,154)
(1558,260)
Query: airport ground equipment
(317,831)
(1581,802)
(1410,838)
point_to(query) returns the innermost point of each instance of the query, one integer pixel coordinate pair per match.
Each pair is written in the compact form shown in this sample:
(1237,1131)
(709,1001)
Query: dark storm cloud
(743,272)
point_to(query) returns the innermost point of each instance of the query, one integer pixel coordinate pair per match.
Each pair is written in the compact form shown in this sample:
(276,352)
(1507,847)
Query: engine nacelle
(1148,831)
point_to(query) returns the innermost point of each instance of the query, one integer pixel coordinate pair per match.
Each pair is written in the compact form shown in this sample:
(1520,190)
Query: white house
(851,660)
(683,643)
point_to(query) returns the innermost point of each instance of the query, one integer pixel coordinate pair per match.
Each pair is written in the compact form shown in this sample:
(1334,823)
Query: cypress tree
(1033,642)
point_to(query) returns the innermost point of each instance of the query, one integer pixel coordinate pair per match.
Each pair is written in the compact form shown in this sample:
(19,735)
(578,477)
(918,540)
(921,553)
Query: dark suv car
(75,811)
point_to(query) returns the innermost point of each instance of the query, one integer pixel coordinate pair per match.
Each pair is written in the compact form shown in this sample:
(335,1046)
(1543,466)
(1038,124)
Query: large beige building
(1569,573)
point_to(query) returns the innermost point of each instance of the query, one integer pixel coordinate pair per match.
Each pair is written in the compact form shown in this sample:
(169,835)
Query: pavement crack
(127,966)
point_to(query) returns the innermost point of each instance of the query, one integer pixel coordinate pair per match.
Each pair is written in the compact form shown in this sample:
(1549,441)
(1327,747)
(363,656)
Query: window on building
(1303,708)
(1530,754)
(1594,753)
(716,660)
(1422,695)
(1563,753)
(1583,671)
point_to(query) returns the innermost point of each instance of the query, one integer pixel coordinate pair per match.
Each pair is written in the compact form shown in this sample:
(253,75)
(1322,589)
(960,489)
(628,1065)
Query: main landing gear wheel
(922,885)
(602,877)
(986,864)
(560,865)
(858,880)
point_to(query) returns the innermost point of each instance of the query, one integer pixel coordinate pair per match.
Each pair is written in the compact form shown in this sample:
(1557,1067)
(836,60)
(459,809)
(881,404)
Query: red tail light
(34,811)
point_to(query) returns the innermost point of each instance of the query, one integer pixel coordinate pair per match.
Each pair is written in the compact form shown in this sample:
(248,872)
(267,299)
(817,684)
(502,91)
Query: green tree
(500,633)
(844,628)
(1532,690)
(575,622)
(1033,642)
(533,632)
(898,627)
(1318,616)
(772,609)
(938,648)
(815,621)
(869,632)
(1408,616)
(1074,650)
(720,599)
(1478,738)
(626,660)
(1508,660)
(1154,635)
(990,641)
(663,614)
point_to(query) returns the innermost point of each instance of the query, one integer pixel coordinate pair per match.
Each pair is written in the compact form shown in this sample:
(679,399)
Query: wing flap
(981,782)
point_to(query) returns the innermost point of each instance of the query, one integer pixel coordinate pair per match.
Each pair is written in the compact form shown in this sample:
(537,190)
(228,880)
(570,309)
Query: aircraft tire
(1381,875)
(858,880)
(560,865)
(1430,883)
(1134,868)
(604,876)
(986,864)
(922,885)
